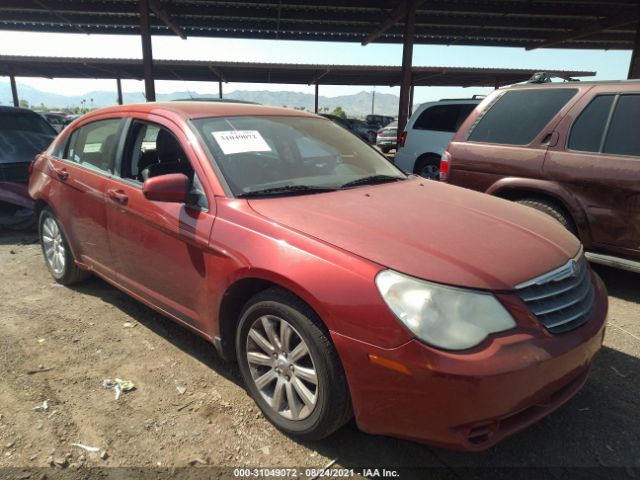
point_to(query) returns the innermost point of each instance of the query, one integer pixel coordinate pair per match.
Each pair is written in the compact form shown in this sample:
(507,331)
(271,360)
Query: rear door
(78,193)
(598,161)
(510,136)
(161,249)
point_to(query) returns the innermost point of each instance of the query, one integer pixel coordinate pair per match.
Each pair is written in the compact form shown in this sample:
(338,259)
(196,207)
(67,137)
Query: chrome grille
(561,299)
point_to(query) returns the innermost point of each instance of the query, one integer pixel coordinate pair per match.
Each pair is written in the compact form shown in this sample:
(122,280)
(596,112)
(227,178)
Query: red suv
(570,150)
(293,247)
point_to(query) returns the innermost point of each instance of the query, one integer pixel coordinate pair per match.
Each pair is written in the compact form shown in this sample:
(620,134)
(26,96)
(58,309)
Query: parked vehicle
(570,150)
(378,121)
(23,134)
(56,120)
(363,130)
(427,134)
(387,137)
(357,127)
(275,234)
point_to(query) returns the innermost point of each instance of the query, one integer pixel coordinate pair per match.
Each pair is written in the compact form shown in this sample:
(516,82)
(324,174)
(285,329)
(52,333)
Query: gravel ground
(189,410)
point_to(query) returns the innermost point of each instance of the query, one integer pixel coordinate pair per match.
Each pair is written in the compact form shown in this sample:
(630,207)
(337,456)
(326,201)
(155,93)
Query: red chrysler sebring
(341,286)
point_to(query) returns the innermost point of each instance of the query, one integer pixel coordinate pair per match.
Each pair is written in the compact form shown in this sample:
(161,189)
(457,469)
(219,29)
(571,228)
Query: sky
(610,65)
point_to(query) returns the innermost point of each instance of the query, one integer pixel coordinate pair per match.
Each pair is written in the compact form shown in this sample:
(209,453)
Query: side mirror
(172,187)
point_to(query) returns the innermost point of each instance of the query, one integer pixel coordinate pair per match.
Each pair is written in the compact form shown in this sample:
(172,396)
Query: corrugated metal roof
(515,23)
(248,72)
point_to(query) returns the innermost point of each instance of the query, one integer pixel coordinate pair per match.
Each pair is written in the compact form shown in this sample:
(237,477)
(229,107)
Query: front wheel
(56,251)
(290,367)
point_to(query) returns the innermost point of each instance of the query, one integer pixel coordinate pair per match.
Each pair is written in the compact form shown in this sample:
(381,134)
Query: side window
(94,145)
(443,118)
(622,137)
(151,151)
(587,131)
(519,115)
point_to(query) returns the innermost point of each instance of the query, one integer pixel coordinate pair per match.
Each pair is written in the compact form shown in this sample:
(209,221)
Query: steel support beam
(634,64)
(147,54)
(316,100)
(14,91)
(220,89)
(163,15)
(119,86)
(394,17)
(407,64)
(411,100)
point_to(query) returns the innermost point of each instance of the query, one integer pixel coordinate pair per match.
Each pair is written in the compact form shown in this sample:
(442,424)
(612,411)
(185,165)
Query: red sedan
(340,285)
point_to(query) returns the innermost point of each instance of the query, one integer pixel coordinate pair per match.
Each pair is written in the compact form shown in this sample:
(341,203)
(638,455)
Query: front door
(161,248)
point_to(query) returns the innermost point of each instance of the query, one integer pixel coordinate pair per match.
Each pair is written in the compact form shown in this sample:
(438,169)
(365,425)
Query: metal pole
(14,91)
(147,55)
(411,100)
(316,102)
(220,89)
(634,64)
(373,101)
(119,85)
(407,59)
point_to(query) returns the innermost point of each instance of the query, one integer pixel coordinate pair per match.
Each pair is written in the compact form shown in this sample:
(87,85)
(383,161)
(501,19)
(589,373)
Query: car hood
(430,230)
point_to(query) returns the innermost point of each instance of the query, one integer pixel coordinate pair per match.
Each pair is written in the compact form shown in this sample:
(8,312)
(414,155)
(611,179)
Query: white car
(428,132)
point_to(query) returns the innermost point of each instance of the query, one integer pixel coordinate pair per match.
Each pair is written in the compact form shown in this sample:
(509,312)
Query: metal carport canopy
(246,72)
(594,24)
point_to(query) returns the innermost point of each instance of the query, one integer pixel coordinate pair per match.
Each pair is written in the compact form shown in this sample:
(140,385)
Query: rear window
(25,122)
(622,137)
(588,129)
(518,116)
(443,118)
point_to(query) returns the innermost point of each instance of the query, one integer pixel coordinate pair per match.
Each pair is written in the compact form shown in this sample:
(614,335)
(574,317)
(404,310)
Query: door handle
(118,196)
(60,172)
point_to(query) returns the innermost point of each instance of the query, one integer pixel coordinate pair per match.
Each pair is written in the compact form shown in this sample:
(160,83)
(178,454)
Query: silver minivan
(428,132)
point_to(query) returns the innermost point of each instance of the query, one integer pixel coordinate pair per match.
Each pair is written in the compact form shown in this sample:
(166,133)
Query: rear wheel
(428,167)
(290,367)
(56,251)
(550,209)
(384,150)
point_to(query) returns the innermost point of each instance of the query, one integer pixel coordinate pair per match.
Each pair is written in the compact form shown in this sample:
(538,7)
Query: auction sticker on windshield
(240,141)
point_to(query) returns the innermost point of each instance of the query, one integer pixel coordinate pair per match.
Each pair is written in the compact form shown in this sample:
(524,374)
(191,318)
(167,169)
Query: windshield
(25,122)
(284,155)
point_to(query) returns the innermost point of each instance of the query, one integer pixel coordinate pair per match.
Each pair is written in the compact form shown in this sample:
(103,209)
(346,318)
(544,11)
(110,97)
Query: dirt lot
(189,408)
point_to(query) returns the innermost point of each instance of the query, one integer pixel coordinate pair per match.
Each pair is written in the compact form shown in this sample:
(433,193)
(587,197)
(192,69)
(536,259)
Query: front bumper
(470,400)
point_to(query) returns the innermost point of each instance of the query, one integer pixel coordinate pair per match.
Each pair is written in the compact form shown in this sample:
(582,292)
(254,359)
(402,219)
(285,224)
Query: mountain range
(355,105)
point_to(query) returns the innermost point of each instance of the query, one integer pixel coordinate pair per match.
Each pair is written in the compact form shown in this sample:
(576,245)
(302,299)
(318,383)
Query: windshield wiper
(286,190)
(371,180)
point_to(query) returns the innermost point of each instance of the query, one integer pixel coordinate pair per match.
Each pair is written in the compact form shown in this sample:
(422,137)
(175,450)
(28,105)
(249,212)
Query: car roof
(6,108)
(194,110)
(617,83)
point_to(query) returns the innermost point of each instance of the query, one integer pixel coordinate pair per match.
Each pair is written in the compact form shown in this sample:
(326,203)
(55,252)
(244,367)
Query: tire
(384,150)
(428,167)
(271,380)
(550,209)
(55,249)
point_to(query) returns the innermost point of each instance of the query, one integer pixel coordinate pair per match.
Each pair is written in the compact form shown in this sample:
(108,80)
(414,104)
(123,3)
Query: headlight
(442,316)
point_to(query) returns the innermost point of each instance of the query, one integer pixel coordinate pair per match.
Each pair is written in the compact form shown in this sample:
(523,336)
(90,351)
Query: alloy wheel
(53,244)
(282,367)
(430,171)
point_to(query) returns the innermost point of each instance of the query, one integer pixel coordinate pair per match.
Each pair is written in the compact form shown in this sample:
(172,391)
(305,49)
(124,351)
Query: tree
(338,112)
(24,103)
